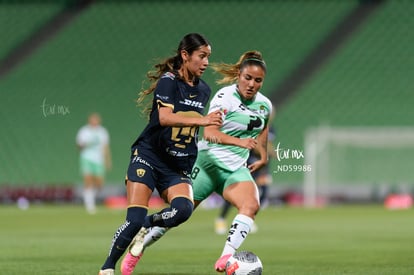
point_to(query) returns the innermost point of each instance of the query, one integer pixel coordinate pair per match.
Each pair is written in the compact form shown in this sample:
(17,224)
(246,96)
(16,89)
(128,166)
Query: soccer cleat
(108,271)
(220,226)
(135,251)
(137,245)
(220,265)
(129,262)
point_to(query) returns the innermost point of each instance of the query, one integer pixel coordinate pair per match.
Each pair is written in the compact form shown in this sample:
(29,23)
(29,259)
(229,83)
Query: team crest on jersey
(223,111)
(140,172)
(262,109)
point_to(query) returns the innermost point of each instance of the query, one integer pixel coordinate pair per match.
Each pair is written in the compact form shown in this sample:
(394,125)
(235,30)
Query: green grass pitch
(335,240)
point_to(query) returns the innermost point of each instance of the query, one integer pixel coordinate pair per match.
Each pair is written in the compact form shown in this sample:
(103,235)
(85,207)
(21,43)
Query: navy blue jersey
(177,145)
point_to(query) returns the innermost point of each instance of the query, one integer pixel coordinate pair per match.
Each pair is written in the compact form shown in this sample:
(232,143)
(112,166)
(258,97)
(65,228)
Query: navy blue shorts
(149,168)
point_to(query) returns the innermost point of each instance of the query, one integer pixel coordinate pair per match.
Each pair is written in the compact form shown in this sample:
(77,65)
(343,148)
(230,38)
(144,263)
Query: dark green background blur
(98,61)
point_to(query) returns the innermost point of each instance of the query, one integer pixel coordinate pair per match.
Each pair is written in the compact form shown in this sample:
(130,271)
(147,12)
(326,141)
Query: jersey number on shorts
(195,172)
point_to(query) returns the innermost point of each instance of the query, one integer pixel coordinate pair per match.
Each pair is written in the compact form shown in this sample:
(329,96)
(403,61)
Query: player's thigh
(183,189)
(138,193)
(242,193)
(88,180)
(98,181)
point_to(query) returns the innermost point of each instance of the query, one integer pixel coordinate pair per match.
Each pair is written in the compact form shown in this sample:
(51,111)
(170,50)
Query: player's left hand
(256,165)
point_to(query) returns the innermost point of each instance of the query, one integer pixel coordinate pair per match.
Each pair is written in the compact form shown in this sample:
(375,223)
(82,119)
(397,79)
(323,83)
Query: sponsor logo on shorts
(140,172)
(175,153)
(138,159)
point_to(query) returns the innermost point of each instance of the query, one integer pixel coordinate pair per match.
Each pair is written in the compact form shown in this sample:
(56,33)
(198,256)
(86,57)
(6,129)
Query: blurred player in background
(163,155)
(221,163)
(95,158)
(263,179)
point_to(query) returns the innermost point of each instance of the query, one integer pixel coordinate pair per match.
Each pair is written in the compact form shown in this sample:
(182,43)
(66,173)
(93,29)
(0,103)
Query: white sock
(239,229)
(89,200)
(154,235)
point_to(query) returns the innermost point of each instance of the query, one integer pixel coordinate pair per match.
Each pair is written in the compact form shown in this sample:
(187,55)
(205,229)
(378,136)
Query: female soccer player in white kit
(95,158)
(221,162)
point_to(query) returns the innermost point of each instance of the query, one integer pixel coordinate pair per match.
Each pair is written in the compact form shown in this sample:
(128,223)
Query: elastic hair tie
(254,59)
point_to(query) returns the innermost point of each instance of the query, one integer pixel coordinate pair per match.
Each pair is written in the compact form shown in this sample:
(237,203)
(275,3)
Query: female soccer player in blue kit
(221,162)
(163,155)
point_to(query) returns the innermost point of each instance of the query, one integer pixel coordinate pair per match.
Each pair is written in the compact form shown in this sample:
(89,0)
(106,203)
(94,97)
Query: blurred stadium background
(333,67)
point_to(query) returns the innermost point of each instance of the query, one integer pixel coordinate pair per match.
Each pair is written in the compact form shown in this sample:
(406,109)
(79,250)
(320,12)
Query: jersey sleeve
(165,91)
(270,110)
(81,137)
(221,102)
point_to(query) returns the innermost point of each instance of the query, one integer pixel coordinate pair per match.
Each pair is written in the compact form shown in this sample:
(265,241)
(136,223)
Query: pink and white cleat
(135,252)
(129,262)
(220,265)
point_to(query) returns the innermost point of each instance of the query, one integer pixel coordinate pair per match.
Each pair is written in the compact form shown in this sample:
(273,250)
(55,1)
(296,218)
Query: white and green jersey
(93,141)
(242,119)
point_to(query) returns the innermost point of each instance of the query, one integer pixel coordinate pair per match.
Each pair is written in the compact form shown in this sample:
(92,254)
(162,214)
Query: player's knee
(250,208)
(135,217)
(254,208)
(181,208)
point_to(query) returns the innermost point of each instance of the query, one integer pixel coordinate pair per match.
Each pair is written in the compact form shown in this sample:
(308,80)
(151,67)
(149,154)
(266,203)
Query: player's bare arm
(213,134)
(261,148)
(170,119)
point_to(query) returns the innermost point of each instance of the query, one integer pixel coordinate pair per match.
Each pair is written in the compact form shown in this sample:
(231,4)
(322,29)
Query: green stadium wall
(98,62)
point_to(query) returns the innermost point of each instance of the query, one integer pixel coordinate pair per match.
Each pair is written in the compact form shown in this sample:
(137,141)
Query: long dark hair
(190,43)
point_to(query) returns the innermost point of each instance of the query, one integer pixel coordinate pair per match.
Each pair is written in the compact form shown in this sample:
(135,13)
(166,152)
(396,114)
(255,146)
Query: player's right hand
(214,118)
(248,143)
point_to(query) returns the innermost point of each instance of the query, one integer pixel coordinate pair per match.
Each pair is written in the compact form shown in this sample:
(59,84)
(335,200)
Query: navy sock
(124,235)
(263,195)
(225,209)
(180,210)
